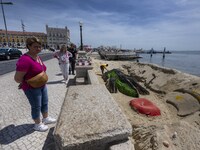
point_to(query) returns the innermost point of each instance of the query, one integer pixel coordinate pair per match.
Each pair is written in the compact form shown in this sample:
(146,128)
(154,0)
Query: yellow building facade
(18,38)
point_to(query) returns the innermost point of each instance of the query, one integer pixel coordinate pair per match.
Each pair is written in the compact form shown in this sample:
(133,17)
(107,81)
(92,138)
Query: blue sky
(174,24)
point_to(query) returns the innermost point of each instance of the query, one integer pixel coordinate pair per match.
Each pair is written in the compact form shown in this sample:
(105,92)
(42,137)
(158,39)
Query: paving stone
(20,118)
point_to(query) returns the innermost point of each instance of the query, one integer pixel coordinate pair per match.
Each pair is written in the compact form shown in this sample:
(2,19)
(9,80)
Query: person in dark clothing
(72,59)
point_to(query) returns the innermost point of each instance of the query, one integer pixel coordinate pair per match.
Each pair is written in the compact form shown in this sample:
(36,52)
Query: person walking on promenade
(72,59)
(103,67)
(63,59)
(28,66)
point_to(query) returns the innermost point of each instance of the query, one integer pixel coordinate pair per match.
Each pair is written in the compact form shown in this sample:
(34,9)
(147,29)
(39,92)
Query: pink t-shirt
(31,67)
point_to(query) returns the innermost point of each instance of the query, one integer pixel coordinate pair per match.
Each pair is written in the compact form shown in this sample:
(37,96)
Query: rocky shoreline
(176,94)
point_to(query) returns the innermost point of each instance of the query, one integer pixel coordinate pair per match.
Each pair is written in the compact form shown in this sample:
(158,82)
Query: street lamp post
(81,24)
(4,18)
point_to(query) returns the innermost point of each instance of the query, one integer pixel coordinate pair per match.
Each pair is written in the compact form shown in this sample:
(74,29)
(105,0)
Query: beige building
(18,38)
(57,37)
(54,38)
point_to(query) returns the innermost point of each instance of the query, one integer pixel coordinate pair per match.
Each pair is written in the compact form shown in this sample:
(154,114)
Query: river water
(184,61)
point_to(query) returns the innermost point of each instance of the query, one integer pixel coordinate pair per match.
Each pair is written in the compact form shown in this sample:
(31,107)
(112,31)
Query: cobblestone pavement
(16,125)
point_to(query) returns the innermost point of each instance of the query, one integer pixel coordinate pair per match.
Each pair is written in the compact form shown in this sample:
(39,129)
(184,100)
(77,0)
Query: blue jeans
(38,99)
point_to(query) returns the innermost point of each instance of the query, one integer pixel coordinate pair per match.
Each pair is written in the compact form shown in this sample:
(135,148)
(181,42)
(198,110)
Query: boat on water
(118,54)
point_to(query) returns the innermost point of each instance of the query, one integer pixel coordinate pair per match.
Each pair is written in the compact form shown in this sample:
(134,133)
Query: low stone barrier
(81,71)
(82,75)
(90,119)
(92,78)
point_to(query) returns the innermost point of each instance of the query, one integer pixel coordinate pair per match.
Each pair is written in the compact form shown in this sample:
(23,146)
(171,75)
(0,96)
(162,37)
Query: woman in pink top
(28,66)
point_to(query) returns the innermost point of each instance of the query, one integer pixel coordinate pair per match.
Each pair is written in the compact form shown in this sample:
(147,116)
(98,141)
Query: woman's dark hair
(31,40)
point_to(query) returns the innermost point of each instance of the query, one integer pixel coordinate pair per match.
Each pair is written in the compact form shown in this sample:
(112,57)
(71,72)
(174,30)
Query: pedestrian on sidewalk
(63,59)
(28,66)
(72,59)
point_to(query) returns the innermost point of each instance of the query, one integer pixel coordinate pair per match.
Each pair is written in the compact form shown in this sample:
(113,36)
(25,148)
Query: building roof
(22,33)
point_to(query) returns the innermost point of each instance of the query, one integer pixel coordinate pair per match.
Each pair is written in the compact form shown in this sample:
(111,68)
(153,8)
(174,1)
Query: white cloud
(144,24)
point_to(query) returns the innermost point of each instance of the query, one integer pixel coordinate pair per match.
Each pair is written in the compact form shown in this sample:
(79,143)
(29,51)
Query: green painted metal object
(122,86)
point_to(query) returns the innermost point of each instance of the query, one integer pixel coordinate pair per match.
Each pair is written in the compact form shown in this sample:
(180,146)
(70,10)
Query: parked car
(52,49)
(8,53)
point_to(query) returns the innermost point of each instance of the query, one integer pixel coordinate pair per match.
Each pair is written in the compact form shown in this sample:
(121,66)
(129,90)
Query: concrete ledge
(90,119)
(92,78)
(81,71)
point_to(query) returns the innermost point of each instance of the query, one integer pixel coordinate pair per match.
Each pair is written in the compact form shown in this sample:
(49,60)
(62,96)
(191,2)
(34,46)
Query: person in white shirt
(63,60)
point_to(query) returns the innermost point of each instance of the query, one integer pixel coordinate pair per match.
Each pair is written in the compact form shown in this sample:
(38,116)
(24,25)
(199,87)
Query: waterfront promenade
(15,114)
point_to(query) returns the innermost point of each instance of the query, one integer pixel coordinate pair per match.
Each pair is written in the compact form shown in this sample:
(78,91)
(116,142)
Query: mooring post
(151,52)
(164,52)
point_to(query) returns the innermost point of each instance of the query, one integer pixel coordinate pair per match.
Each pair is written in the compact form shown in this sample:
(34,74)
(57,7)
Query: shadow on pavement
(55,82)
(49,143)
(71,82)
(11,133)
(59,74)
